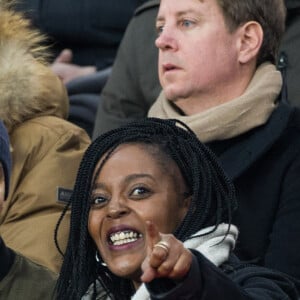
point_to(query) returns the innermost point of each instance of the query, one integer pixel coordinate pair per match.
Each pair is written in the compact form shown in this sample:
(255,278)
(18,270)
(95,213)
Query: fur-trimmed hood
(28,87)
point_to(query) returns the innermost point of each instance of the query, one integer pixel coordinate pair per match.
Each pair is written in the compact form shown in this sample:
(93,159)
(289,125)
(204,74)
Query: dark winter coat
(236,281)
(264,165)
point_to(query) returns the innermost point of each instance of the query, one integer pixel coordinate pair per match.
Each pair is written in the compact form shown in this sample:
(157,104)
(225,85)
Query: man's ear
(251,38)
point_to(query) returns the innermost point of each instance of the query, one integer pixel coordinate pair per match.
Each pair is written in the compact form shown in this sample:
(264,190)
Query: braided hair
(213,200)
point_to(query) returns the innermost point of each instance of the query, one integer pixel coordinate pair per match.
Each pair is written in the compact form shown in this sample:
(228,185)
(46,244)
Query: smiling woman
(148,213)
(132,188)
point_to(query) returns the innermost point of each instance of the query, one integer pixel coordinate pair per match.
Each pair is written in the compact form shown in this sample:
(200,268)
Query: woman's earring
(98,260)
(97,257)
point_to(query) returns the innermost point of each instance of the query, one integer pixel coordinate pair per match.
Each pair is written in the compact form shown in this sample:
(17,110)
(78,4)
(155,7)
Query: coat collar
(246,149)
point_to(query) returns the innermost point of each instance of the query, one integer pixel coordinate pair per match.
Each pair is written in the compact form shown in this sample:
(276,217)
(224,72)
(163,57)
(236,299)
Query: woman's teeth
(124,237)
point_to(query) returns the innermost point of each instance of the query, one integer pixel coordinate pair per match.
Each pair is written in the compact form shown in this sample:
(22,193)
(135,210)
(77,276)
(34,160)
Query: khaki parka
(46,149)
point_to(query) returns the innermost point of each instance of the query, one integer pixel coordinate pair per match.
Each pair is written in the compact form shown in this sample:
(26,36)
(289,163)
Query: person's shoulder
(149,5)
(46,132)
(49,125)
(29,279)
(29,267)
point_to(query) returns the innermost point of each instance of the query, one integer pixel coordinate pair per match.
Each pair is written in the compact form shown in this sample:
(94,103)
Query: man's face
(2,187)
(198,57)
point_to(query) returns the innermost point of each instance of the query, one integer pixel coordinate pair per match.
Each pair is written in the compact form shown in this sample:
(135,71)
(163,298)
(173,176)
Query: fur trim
(14,25)
(28,87)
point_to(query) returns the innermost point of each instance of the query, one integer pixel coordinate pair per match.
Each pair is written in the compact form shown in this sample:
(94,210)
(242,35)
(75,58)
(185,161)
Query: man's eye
(159,29)
(187,23)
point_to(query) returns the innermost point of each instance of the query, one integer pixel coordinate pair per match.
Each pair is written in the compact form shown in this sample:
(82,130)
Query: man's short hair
(270,14)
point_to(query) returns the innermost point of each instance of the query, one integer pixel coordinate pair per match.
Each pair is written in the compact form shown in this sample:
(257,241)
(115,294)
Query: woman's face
(133,187)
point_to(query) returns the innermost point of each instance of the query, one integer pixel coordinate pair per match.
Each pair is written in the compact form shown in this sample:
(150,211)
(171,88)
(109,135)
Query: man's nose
(166,39)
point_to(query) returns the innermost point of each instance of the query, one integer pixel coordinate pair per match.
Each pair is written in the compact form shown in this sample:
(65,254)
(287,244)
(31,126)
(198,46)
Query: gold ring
(163,245)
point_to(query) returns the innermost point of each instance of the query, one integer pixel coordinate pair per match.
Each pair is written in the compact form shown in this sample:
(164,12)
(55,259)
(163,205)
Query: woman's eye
(98,200)
(140,191)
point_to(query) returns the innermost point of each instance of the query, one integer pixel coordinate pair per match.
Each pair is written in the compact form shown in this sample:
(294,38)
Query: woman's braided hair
(213,199)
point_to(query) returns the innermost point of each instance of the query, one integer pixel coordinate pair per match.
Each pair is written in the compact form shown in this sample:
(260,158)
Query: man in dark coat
(134,85)
(263,161)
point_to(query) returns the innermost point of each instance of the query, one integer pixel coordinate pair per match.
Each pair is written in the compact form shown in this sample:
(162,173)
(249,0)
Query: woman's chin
(127,267)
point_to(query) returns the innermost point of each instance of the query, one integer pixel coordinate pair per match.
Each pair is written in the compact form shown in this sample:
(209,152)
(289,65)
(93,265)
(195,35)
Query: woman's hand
(167,259)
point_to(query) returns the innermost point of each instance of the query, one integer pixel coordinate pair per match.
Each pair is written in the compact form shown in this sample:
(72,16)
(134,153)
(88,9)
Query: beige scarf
(232,118)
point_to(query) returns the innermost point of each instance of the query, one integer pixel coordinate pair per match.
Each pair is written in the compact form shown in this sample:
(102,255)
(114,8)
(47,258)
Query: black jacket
(236,281)
(264,165)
